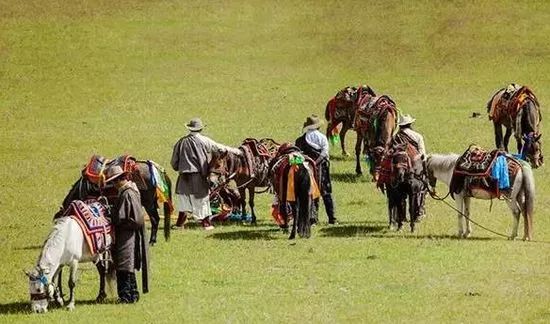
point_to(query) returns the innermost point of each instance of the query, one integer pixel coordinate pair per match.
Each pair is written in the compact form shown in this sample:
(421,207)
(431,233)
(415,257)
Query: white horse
(65,245)
(520,197)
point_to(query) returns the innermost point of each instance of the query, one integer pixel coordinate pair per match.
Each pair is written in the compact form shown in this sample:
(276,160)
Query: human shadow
(412,236)
(349,177)
(353,229)
(251,235)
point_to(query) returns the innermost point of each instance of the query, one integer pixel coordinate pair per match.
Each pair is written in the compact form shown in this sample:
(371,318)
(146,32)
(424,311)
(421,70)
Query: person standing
(407,134)
(130,250)
(315,145)
(190,158)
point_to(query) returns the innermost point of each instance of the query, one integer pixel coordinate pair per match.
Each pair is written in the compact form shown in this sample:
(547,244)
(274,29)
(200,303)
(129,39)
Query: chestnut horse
(340,109)
(375,124)
(518,110)
(249,170)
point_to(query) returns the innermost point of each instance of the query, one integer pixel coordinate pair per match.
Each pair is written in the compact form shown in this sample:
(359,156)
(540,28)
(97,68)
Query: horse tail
(168,207)
(302,185)
(529,192)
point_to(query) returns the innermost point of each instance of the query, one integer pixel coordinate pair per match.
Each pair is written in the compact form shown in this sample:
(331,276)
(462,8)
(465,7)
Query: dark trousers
(325,186)
(127,287)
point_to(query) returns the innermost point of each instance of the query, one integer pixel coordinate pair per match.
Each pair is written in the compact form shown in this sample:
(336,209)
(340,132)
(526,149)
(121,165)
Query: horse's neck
(54,248)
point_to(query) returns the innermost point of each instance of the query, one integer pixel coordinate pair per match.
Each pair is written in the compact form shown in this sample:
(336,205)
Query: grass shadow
(266,234)
(348,177)
(29,247)
(342,158)
(353,229)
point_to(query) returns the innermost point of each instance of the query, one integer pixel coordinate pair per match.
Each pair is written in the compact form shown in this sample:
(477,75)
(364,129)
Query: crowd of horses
(394,163)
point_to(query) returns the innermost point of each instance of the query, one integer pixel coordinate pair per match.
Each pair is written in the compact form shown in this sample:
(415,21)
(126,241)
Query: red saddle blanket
(475,162)
(95,169)
(91,216)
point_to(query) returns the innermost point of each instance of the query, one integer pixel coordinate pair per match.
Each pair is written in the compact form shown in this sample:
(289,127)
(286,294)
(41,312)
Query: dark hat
(312,122)
(195,125)
(114,172)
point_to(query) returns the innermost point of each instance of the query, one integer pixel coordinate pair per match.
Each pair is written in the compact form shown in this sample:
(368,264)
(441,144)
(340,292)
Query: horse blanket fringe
(91,216)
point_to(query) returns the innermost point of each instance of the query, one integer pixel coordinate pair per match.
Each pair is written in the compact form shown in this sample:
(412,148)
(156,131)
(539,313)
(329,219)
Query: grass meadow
(113,77)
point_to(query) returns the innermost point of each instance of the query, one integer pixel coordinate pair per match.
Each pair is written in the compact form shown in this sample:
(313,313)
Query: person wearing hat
(130,250)
(405,127)
(190,158)
(417,140)
(315,145)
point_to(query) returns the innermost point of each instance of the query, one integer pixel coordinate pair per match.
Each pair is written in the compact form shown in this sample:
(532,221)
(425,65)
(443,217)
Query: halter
(45,291)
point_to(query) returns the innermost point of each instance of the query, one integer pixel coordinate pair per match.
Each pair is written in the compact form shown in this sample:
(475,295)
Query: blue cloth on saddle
(499,172)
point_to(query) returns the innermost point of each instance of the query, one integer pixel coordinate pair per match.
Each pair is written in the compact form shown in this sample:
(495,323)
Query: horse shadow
(341,158)
(24,307)
(353,230)
(250,235)
(411,236)
(349,177)
(29,247)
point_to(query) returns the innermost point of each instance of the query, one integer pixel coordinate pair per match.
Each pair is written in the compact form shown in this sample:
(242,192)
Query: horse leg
(514,206)
(459,201)
(101,295)
(251,203)
(58,292)
(507,138)
(358,145)
(294,221)
(72,283)
(242,202)
(498,136)
(343,131)
(466,211)
(519,144)
(402,210)
(155,220)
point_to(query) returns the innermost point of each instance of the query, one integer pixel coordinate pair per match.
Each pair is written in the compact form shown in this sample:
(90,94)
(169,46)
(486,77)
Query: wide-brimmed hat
(405,120)
(312,122)
(195,125)
(113,173)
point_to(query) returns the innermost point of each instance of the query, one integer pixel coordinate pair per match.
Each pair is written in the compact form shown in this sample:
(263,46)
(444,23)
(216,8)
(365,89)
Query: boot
(329,208)
(182,217)
(123,287)
(132,283)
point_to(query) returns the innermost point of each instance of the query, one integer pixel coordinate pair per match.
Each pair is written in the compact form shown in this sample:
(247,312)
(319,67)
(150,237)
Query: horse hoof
(70,307)
(101,298)
(345,153)
(152,243)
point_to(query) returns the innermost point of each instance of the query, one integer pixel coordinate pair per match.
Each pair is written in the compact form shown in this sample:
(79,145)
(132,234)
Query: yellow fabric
(290,183)
(314,191)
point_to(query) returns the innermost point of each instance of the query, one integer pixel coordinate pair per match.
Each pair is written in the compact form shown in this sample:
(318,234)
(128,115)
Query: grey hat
(195,125)
(405,120)
(312,122)
(114,172)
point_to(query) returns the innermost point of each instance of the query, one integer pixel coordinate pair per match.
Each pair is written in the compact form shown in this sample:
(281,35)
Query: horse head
(218,168)
(40,289)
(532,149)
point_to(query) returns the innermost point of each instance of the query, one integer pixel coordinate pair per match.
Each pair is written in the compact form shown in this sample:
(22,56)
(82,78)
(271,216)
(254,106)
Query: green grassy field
(114,77)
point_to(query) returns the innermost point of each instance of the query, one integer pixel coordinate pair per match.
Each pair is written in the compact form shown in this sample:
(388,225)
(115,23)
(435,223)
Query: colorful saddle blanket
(475,162)
(91,216)
(95,169)
(508,101)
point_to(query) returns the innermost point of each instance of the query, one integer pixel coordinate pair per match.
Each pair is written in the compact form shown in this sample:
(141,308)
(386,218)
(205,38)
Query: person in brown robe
(130,249)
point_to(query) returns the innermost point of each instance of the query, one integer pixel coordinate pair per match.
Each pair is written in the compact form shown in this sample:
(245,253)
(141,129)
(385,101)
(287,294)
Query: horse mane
(442,161)
(55,238)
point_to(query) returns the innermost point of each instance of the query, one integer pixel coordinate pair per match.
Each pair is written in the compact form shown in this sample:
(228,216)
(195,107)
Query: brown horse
(293,177)
(249,170)
(375,124)
(518,110)
(340,109)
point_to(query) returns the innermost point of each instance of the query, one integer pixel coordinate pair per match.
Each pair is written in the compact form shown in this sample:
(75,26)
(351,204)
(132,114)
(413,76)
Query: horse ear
(537,137)
(27,273)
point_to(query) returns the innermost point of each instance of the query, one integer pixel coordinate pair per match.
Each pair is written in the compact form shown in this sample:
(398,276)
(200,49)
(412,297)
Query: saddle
(507,102)
(257,155)
(484,172)
(91,216)
(370,111)
(94,171)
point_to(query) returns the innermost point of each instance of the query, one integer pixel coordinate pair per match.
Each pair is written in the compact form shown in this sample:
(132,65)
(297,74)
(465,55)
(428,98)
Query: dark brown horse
(375,124)
(295,187)
(340,109)
(401,176)
(518,110)
(146,175)
(249,170)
